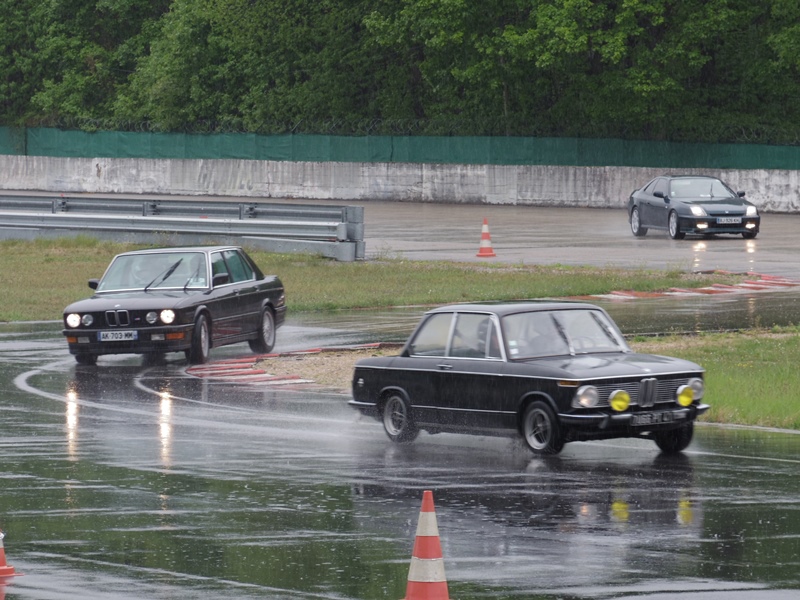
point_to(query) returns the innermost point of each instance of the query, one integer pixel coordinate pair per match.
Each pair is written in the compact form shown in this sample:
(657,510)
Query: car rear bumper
(148,340)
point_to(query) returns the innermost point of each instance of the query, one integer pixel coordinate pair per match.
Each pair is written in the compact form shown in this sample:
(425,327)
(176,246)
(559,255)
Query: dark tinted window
(237,266)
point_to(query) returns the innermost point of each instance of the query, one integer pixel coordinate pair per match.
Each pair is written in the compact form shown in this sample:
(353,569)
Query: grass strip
(751,376)
(40,277)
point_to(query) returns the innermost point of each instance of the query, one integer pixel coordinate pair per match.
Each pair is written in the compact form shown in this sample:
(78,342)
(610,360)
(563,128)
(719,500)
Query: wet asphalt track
(128,481)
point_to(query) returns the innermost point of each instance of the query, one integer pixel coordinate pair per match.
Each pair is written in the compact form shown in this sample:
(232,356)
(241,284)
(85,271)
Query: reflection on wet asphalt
(126,481)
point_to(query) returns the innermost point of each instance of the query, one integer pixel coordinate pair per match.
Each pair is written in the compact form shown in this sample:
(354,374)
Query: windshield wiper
(192,276)
(169,271)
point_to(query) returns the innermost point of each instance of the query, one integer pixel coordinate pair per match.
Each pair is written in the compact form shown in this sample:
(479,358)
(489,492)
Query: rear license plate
(655,418)
(119,336)
(729,220)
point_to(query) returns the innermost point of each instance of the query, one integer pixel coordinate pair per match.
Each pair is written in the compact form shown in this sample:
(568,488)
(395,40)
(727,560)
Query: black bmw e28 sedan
(551,372)
(187,300)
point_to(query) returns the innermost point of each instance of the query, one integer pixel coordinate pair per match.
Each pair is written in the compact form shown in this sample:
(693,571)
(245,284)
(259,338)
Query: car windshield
(559,332)
(699,188)
(149,271)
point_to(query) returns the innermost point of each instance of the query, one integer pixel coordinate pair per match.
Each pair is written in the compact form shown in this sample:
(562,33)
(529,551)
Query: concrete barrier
(599,187)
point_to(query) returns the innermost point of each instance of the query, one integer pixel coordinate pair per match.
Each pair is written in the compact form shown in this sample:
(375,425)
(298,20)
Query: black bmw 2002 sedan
(176,299)
(691,204)
(551,372)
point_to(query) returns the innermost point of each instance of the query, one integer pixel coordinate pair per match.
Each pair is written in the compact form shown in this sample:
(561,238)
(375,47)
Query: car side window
(473,336)
(661,186)
(431,339)
(239,269)
(218,264)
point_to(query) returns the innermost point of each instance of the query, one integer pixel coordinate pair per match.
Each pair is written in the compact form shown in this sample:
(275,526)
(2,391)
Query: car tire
(541,430)
(397,419)
(674,440)
(674,227)
(749,235)
(201,342)
(86,359)
(265,341)
(636,224)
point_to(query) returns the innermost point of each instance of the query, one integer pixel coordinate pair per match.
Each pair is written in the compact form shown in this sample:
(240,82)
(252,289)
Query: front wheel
(541,430)
(636,224)
(397,420)
(674,440)
(674,227)
(201,342)
(749,235)
(86,359)
(265,341)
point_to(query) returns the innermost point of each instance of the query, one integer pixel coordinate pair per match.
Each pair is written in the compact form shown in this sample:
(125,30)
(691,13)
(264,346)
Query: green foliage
(690,70)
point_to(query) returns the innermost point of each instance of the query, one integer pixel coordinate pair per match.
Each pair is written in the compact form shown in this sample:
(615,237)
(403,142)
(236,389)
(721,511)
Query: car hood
(721,205)
(590,366)
(152,300)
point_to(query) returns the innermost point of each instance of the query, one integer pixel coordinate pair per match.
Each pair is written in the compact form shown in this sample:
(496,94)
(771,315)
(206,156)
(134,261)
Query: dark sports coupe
(550,372)
(176,299)
(691,204)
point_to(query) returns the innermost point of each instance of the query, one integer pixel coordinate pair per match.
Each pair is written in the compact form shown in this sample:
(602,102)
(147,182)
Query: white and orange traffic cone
(485,250)
(5,570)
(426,580)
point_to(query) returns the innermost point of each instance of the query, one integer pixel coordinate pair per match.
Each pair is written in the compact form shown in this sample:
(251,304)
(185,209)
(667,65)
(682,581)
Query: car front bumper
(147,340)
(650,420)
(712,225)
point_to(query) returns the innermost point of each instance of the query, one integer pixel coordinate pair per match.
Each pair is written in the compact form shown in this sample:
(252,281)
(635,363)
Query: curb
(757,283)
(244,370)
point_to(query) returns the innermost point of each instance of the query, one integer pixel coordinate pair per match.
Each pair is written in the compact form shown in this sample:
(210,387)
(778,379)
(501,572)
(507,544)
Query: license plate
(729,220)
(119,336)
(655,418)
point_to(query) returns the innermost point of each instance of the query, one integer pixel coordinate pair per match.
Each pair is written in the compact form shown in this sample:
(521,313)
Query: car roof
(181,249)
(506,308)
(690,177)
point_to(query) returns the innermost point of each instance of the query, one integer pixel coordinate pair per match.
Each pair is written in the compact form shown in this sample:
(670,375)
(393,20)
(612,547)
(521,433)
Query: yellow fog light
(619,400)
(685,395)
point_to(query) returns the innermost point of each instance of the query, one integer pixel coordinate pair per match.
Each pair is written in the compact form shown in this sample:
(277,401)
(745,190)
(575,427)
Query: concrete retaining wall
(601,187)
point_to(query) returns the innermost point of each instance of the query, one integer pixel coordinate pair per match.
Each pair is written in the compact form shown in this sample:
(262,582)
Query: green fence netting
(396,149)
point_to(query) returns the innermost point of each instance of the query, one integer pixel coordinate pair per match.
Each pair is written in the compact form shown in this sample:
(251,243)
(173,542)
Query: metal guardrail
(332,231)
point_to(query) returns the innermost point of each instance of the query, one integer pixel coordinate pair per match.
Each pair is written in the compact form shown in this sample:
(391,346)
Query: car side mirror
(93,283)
(658,194)
(740,194)
(220,279)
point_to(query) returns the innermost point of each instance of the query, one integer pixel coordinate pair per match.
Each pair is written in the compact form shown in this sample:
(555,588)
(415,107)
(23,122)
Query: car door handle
(445,367)
(236,292)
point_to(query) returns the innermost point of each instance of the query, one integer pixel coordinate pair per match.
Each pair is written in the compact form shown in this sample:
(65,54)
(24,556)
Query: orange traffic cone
(426,580)
(5,570)
(485,250)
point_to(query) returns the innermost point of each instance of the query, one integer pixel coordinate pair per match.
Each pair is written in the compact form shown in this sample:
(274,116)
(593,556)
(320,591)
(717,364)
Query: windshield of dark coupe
(699,187)
(149,271)
(559,332)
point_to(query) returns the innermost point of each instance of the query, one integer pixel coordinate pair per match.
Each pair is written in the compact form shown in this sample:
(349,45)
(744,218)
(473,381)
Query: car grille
(118,318)
(645,392)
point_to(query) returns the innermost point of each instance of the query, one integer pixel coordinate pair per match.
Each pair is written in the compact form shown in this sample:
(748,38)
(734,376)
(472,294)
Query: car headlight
(586,397)
(151,317)
(752,211)
(87,320)
(167,316)
(73,320)
(699,211)
(619,400)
